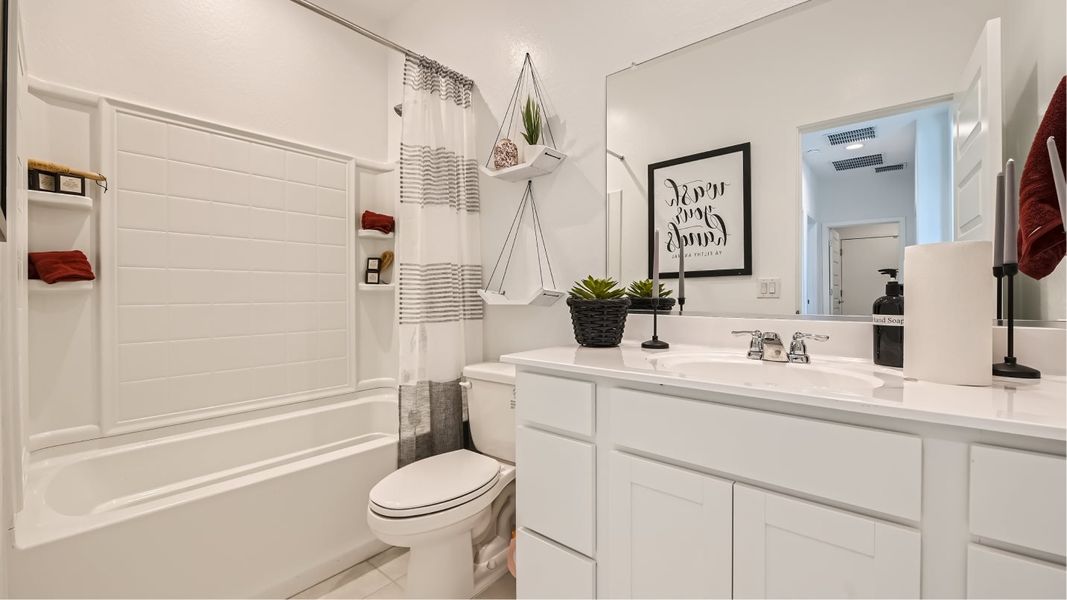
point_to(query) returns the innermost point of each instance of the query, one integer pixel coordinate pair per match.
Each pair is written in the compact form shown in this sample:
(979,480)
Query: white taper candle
(1011,215)
(681,268)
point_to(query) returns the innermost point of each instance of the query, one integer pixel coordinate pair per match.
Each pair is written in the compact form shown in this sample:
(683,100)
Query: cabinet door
(784,547)
(556,492)
(670,532)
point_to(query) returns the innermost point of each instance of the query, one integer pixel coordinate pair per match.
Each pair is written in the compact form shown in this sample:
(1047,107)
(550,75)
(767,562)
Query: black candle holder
(998,272)
(1011,367)
(655,343)
(681,305)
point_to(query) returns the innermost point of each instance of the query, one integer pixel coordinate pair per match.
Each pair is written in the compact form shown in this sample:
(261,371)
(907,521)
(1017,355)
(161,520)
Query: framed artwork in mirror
(702,203)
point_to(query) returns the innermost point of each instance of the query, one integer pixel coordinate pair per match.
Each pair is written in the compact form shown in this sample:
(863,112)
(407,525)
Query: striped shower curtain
(439,258)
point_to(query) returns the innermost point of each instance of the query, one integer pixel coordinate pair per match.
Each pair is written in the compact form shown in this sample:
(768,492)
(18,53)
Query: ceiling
(894,140)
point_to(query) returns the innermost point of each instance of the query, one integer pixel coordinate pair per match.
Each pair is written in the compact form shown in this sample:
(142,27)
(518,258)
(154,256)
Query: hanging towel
(1041,237)
(67,265)
(373,220)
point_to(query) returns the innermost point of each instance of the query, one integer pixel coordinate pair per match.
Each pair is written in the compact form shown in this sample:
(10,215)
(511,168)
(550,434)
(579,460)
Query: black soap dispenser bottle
(888,318)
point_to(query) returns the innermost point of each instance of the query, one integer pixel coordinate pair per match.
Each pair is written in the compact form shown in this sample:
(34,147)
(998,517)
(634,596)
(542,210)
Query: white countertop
(1036,408)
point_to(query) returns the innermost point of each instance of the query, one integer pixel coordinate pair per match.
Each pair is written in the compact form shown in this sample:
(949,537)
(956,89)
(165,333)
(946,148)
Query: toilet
(456,511)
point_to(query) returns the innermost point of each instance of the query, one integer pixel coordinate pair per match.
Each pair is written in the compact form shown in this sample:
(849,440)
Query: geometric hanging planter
(524,146)
(545,295)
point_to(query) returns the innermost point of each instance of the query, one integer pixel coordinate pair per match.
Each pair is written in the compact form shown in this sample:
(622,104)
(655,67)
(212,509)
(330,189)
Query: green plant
(595,288)
(531,122)
(642,288)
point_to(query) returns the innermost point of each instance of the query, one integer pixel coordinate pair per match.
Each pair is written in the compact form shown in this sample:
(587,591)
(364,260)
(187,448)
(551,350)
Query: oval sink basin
(767,374)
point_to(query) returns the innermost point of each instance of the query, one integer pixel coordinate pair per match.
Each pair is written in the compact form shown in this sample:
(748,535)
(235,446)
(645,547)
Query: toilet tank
(491,408)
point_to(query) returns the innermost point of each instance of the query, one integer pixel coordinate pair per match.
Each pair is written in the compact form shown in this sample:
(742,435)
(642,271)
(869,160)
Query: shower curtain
(439,258)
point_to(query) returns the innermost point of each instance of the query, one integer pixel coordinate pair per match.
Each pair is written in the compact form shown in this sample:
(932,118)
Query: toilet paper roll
(948,310)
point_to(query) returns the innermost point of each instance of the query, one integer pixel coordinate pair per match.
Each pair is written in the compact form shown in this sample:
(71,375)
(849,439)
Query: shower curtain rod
(315,8)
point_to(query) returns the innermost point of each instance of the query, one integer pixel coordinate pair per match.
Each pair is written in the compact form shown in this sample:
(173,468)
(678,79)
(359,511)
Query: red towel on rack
(1041,238)
(66,265)
(373,220)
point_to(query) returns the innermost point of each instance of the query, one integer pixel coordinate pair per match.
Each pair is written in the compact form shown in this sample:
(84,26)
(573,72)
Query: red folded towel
(379,222)
(1041,238)
(66,265)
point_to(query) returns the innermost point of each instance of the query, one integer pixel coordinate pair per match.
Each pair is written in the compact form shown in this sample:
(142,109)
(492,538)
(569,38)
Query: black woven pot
(644,304)
(598,323)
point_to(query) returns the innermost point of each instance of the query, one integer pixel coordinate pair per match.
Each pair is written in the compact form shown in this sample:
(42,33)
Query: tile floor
(383,576)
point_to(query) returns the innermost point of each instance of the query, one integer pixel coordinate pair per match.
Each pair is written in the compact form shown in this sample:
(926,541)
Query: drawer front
(869,468)
(1018,497)
(996,574)
(556,402)
(556,488)
(552,571)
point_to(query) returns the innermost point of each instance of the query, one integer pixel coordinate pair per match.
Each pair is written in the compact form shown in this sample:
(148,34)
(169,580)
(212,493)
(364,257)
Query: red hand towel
(1041,237)
(373,220)
(67,265)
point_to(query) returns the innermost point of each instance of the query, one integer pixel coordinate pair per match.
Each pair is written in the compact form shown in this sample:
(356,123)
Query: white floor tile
(392,562)
(392,591)
(356,582)
(501,589)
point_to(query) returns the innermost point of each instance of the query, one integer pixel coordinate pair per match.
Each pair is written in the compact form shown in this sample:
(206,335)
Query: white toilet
(456,511)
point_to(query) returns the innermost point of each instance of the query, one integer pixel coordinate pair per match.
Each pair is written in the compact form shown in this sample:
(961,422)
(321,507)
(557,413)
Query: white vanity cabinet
(631,490)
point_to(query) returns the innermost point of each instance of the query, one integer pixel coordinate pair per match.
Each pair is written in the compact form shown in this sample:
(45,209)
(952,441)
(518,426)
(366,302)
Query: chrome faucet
(764,345)
(798,350)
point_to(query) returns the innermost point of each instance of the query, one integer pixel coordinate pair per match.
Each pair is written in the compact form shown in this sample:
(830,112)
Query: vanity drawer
(552,571)
(1018,497)
(869,468)
(994,573)
(557,488)
(556,402)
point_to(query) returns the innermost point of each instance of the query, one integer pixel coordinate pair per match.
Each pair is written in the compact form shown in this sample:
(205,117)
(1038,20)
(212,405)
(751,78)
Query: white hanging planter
(540,297)
(540,160)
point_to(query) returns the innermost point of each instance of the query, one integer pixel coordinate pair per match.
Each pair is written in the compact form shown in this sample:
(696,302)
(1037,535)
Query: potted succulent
(598,312)
(531,128)
(640,294)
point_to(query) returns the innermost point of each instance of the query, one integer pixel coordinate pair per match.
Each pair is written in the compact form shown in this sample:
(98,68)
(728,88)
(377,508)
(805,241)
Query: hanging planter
(524,147)
(542,296)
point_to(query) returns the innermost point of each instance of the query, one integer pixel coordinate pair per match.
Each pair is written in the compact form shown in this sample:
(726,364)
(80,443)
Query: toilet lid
(434,484)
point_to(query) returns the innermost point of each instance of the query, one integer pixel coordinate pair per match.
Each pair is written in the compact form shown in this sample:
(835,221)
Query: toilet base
(441,568)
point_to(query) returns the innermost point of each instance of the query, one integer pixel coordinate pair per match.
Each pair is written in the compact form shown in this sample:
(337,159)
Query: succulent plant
(642,288)
(531,122)
(595,288)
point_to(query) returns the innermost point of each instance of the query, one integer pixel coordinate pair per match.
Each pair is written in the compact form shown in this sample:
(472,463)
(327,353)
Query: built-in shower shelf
(377,287)
(37,286)
(544,161)
(65,201)
(374,234)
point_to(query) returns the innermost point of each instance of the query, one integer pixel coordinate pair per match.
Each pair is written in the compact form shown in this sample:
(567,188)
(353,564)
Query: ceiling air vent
(896,167)
(859,162)
(848,137)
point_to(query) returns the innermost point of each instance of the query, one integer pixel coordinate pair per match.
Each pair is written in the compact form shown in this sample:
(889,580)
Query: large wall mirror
(867,127)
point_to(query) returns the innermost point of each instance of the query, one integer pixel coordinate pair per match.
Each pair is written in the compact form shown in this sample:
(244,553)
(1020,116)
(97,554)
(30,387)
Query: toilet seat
(434,484)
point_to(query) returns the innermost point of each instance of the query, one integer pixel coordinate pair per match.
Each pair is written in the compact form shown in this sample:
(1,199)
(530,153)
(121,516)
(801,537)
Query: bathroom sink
(741,371)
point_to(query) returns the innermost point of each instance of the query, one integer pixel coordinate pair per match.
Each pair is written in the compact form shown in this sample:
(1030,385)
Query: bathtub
(261,508)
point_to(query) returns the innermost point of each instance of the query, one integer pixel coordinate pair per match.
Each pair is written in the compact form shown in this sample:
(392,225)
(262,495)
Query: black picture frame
(746,211)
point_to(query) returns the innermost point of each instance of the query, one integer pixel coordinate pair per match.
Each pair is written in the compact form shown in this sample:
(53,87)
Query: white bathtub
(261,508)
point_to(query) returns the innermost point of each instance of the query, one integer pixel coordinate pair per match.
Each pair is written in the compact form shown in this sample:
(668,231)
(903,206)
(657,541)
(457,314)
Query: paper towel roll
(949,303)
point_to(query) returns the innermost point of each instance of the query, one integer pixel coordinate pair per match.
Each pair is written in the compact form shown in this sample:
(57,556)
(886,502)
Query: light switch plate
(769,287)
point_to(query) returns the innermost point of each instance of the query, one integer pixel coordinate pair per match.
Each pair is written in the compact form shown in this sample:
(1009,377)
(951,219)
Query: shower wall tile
(234,271)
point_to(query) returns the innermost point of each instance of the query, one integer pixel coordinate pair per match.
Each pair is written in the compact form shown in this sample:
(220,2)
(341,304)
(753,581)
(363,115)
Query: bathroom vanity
(699,473)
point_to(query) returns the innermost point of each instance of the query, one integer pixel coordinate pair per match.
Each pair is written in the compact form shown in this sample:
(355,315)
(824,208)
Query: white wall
(574,45)
(933,177)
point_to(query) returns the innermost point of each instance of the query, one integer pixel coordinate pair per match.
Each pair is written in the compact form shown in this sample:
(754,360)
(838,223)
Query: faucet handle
(798,350)
(755,345)
(817,337)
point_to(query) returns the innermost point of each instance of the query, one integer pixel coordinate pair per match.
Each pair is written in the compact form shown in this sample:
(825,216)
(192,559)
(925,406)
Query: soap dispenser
(888,318)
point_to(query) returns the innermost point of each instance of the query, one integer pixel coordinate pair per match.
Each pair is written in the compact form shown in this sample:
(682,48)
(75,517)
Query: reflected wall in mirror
(870,130)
